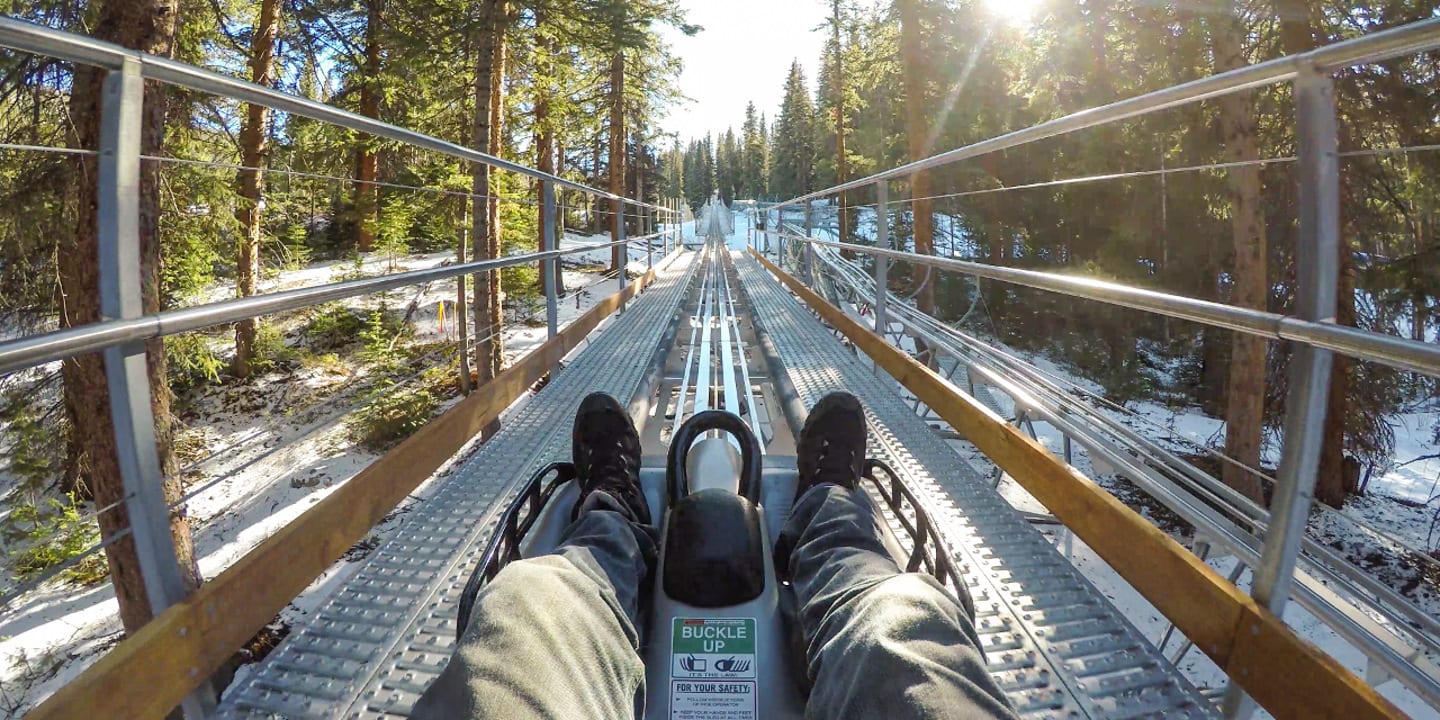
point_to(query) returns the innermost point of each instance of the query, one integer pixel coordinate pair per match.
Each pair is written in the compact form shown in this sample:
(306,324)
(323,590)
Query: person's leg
(880,643)
(557,636)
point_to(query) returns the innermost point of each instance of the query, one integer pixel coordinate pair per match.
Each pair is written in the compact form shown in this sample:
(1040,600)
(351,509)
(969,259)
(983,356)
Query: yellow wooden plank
(153,670)
(1285,674)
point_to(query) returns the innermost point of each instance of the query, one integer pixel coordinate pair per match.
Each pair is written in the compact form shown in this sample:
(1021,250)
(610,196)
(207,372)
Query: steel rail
(1375,47)
(1362,344)
(40,40)
(60,344)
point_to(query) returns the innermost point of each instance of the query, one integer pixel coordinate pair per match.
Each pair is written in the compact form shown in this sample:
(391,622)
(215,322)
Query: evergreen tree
(728,167)
(752,155)
(793,146)
(253,160)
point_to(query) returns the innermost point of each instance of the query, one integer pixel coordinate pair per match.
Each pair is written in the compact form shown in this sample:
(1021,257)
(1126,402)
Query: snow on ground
(274,447)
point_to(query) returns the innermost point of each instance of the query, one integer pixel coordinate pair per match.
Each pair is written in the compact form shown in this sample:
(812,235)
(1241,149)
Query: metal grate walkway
(1055,644)
(374,646)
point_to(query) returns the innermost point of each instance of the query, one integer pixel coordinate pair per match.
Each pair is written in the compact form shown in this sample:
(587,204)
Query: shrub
(380,334)
(391,415)
(294,246)
(191,361)
(392,229)
(356,270)
(333,326)
(51,533)
(34,456)
(270,349)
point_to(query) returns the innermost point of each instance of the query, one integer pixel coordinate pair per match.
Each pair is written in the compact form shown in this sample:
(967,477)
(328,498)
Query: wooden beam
(152,671)
(1288,676)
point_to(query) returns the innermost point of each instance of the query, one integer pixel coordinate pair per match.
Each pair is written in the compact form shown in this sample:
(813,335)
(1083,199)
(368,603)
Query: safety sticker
(712,669)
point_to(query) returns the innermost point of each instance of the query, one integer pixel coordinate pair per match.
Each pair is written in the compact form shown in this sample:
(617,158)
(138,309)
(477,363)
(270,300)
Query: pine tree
(92,460)
(728,167)
(793,149)
(251,179)
(917,133)
(752,154)
(367,163)
(488,98)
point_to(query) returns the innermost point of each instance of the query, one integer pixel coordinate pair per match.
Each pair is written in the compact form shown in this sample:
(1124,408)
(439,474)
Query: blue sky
(742,55)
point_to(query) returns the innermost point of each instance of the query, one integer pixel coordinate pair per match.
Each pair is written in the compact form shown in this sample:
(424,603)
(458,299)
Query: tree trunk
(367,165)
(489,104)
(544,134)
(999,252)
(592,204)
(617,155)
(1297,36)
(92,464)
(1420,317)
(1331,486)
(1245,383)
(462,331)
(913,65)
(639,171)
(841,166)
(251,179)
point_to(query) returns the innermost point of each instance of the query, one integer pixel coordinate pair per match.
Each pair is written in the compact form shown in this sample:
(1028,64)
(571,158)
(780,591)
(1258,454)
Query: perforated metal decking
(1057,646)
(377,644)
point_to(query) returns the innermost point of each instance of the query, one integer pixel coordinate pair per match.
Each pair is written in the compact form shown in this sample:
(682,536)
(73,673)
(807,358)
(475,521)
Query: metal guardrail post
(1317,270)
(126,371)
(882,263)
(808,250)
(549,269)
(649,241)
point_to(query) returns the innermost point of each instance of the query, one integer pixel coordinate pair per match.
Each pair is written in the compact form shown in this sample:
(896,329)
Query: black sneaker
(831,448)
(607,454)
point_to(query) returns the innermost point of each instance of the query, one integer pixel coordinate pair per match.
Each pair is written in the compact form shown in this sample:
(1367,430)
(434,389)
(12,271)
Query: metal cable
(1105,176)
(47,148)
(332,178)
(1165,171)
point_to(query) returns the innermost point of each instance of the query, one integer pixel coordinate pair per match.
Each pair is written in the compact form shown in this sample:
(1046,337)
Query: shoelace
(610,468)
(830,464)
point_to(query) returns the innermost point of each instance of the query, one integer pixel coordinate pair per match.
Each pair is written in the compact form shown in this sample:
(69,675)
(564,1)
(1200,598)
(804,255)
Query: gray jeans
(555,636)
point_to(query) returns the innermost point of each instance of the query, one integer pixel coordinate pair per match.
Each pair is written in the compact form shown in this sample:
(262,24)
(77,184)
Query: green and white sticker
(712,669)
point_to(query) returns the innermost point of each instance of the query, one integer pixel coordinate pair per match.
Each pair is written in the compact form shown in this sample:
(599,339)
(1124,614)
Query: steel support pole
(882,263)
(126,371)
(645,230)
(549,268)
(808,251)
(1317,270)
(784,247)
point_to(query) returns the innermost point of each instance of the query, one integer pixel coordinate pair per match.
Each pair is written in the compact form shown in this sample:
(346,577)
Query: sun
(1015,12)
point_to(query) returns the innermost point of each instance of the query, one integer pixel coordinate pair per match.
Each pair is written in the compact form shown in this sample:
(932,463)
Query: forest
(1198,200)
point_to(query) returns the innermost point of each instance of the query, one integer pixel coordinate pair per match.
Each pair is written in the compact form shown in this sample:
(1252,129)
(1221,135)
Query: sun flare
(1015,12)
